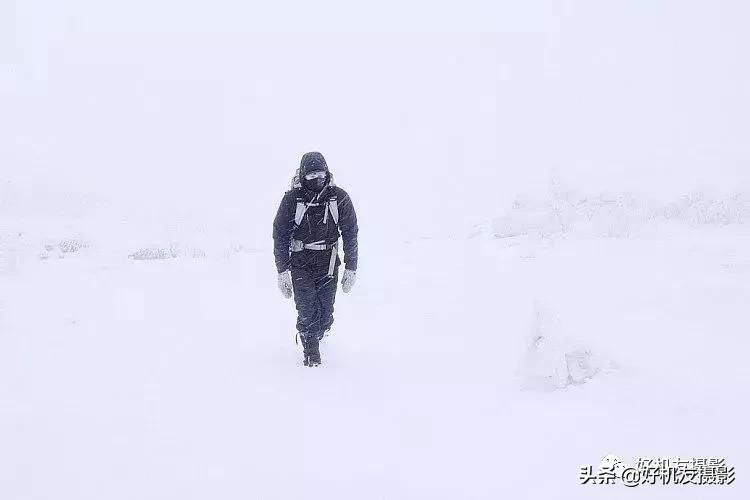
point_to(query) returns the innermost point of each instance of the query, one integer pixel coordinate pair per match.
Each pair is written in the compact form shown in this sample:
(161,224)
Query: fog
(430,108)
(145,352)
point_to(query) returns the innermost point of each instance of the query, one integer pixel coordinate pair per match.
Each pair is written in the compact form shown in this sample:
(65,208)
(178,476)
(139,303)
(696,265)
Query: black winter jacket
(312,228)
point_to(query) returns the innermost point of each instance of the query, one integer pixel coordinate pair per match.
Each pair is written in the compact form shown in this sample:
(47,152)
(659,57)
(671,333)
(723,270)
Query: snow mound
(553,359)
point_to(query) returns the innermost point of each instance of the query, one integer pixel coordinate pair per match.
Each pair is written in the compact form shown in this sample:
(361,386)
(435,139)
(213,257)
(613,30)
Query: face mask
(315,181)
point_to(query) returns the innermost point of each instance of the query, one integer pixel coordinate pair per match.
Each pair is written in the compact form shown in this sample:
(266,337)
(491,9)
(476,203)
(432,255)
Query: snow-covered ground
(470,366)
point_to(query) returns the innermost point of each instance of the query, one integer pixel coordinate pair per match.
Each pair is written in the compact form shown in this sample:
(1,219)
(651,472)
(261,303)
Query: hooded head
(313,171)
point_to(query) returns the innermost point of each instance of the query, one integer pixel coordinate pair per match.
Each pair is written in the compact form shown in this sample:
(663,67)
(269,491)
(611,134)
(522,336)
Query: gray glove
(348,280)
(285,284)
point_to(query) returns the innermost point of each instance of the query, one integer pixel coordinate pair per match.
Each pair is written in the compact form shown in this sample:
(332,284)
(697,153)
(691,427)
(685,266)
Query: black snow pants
(314,290)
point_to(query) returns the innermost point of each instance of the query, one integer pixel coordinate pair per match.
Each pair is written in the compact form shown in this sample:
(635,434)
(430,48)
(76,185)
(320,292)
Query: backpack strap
(299,213)
(333,207)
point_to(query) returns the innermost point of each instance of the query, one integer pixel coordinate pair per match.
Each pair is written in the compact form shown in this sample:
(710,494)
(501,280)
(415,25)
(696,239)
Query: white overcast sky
(300,16)
(468,100)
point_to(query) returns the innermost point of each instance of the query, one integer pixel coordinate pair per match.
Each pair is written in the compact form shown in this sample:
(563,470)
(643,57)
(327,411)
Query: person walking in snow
(311,217)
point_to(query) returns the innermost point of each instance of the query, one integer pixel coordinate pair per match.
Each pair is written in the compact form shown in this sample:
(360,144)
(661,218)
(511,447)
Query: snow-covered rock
(554,359)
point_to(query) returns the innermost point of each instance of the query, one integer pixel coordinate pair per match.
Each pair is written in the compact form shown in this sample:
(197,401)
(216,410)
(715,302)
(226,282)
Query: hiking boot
(310,350)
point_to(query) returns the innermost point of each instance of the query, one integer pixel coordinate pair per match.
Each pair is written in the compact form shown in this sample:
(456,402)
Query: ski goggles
(320,174)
